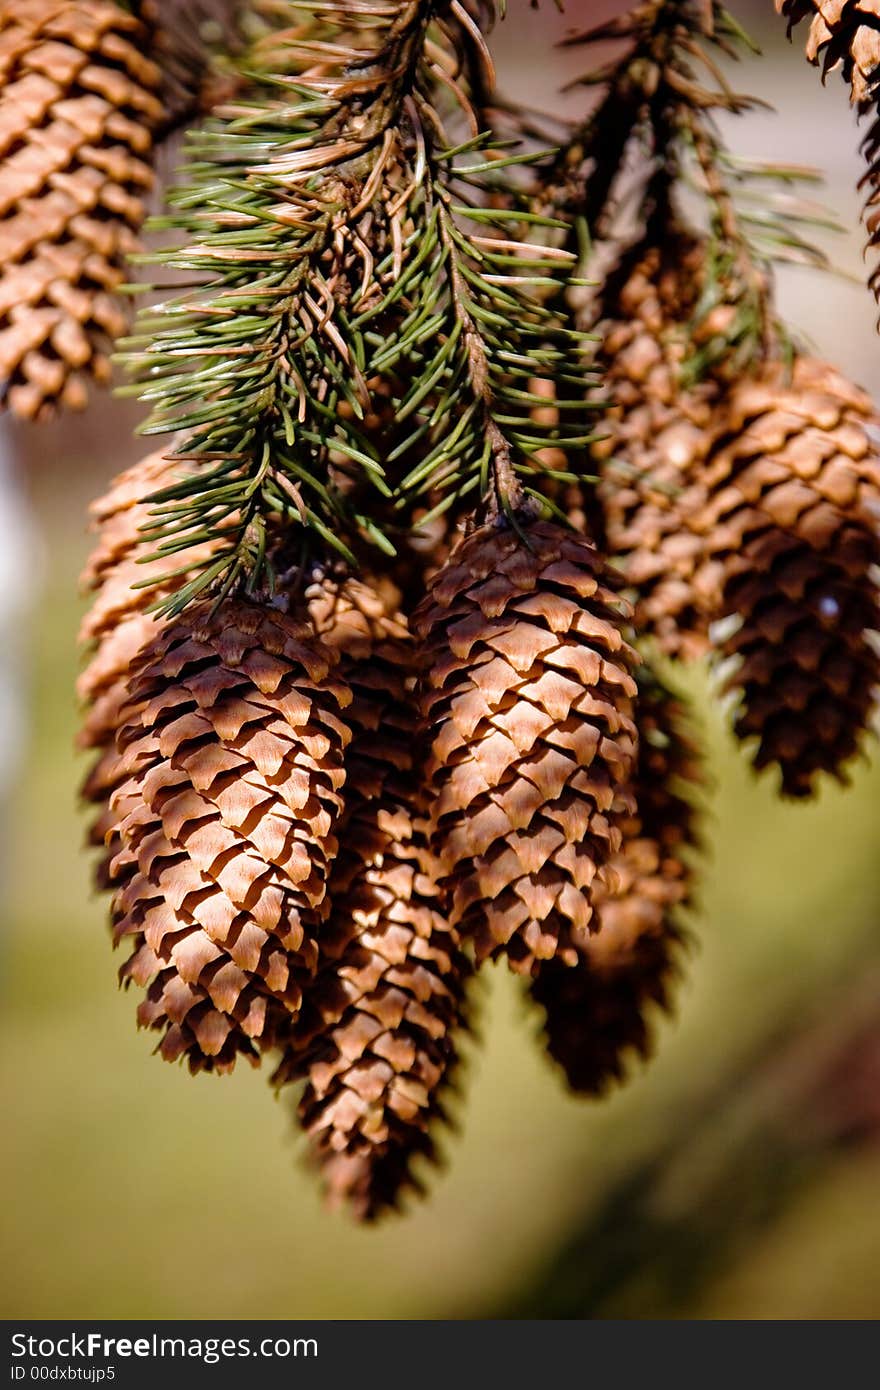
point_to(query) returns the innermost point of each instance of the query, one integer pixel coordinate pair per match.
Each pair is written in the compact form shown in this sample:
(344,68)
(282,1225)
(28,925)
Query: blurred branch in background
(741,1155)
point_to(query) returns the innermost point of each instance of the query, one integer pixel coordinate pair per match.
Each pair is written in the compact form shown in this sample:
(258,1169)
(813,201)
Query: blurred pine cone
(844,33)
(659,435)
(232,752)
(526,698)
(653,872)
(375,1041)
(186,39)
(792,520)
(598,1013)
(77,110)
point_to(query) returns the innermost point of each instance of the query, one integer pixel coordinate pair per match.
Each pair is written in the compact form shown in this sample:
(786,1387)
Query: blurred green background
(132,1190)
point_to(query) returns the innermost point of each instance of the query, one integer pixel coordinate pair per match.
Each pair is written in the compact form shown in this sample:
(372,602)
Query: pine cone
(184,41)
(77,110)
(527,700)
(793,518)
(117,628)
(599,1012)
(118,516)
(659,435)
(375,1041)
(232,752)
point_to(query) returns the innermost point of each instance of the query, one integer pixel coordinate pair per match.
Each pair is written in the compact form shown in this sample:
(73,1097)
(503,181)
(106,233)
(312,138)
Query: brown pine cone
(793,535)
(362,624)
(659,434)
(375,1041)
(598,1013)
(231,750)
(526,697)
(118,627)
(119,514)
(77,110)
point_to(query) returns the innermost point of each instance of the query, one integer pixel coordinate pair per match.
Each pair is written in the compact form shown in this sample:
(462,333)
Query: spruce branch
(354,252)
(658,110)
(661,76)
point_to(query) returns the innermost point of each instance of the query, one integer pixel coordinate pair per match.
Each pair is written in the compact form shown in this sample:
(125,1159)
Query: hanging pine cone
(376,660)
(527,701)
(77,110)
(117,628)
(375,1042)
(231,750)
(793,520)
(598,1013)
(658,437)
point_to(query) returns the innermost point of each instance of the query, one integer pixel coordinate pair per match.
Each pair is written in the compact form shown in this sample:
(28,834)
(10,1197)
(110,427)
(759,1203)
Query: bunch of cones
(325,795)
(317,815)
(88,88)
(747,511)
